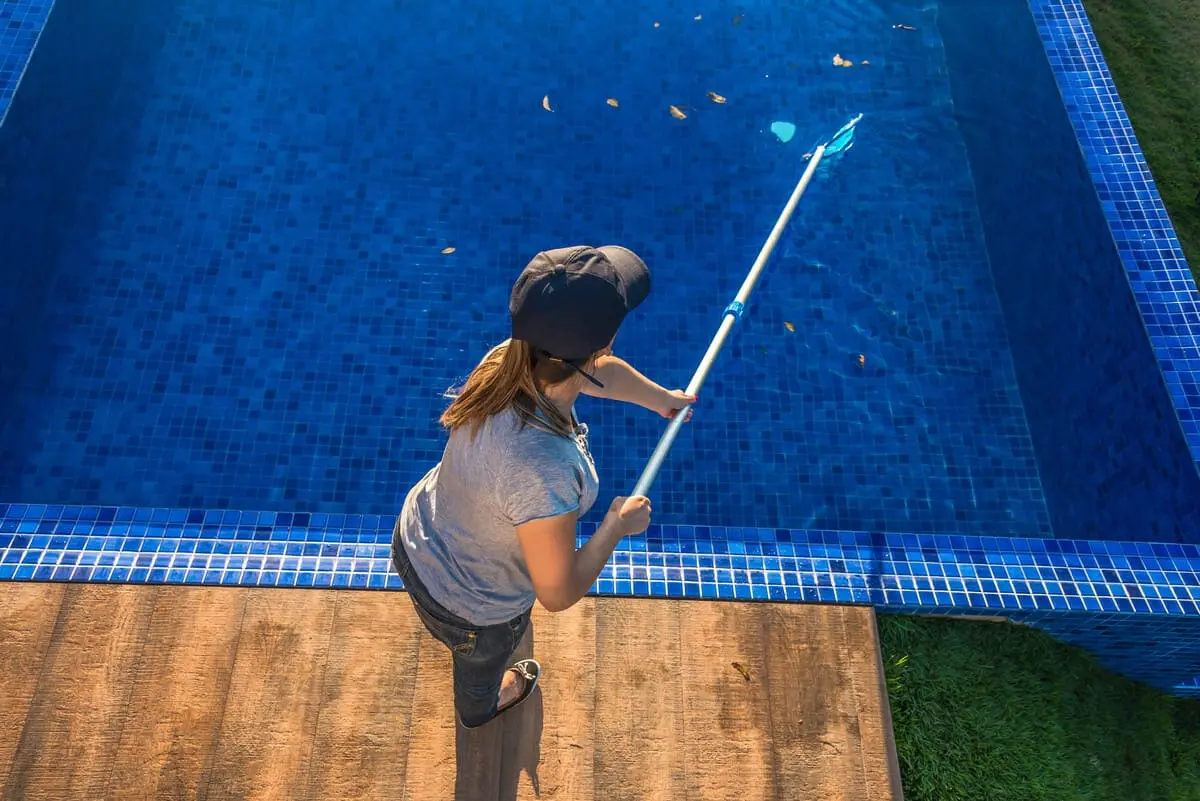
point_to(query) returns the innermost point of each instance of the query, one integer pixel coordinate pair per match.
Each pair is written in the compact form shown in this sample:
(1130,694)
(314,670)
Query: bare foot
(511,687)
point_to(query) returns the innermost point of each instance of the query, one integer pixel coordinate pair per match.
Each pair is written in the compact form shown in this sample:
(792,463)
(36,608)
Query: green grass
(998,711)
(1153,51)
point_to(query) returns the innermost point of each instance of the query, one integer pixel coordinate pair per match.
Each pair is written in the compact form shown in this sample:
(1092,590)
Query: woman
(492,526)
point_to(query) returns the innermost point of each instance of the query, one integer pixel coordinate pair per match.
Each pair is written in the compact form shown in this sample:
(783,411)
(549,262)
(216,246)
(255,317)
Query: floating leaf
(699,16)
(862,360)
(789,326)
(546,103)
(847,63)
(612,101)
(903,27)
(740,668)
(838,60)
(738,19)
(447,251)
(677,113)
(866,63)
(716,98)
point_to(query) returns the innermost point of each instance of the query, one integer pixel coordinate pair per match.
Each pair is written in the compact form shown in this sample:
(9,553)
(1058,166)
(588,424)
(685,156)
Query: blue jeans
(481,654)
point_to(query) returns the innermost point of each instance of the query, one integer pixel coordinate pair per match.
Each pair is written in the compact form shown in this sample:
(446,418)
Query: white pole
(732,313)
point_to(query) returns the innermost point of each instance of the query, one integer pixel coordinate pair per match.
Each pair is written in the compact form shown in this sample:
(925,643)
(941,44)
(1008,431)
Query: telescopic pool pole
(733,312)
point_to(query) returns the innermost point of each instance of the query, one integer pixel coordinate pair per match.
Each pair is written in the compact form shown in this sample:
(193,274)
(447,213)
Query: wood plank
(812,669)
(322,685)
(446,761)
(639,715)
(73,730)
(895,782)
(554,736)
(727,725)
(178,694)
(362,738)
(266,738)
(876,751)
(28,612)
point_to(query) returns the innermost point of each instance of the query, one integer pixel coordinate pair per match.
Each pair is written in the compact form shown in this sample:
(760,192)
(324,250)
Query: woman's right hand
(631,515)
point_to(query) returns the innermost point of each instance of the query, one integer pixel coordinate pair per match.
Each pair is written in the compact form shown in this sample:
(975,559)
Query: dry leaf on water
(447,251)
(677,113)
(612,101)
(789,326)
(716,98)
(838,60)
(738,19)
(546,103)
(740,668)
(862,360)
(866,63)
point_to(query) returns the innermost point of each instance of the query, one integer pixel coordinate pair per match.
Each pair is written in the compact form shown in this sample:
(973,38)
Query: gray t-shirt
(458,522)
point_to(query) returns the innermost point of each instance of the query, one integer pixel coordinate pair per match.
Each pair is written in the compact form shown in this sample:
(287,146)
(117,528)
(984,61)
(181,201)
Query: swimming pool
(230,302)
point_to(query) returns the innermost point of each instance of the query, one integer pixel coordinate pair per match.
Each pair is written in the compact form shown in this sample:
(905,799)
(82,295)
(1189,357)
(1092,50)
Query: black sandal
(528,669)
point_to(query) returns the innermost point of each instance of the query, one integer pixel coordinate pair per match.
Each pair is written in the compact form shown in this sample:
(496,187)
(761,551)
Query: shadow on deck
(134,692)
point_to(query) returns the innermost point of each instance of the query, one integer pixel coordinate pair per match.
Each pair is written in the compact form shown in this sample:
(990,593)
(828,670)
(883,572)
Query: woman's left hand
(674,400)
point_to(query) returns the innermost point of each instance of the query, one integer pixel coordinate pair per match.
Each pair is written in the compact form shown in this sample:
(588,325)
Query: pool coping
(936,573)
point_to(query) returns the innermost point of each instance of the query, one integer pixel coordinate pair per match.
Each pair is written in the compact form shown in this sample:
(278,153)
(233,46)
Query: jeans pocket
(517,627)
(460,640)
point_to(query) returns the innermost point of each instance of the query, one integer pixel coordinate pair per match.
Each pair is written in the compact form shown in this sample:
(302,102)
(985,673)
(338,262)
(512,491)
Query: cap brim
(635,275)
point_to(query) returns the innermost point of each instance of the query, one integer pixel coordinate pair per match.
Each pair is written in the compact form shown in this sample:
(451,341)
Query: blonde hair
(511,375)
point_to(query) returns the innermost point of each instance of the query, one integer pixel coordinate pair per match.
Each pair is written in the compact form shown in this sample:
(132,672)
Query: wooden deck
(133,692)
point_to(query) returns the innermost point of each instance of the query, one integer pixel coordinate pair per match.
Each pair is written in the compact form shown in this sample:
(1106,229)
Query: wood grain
(815,715)
(28,613)
(265,743)
(241,693)
(639,714)
(727,723)
(72,732)
(362,736)
(178,694)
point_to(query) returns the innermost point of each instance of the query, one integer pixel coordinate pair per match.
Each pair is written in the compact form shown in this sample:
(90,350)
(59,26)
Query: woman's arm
(623,383)
(561,575)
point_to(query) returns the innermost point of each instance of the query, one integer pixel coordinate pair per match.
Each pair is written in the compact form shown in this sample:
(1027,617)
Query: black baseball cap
(569,302)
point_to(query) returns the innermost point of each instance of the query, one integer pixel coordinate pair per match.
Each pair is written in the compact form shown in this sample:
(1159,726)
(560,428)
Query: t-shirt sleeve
(535,481)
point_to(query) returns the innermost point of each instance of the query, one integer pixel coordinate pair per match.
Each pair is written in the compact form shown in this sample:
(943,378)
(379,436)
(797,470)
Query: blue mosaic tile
(259,213)
(1162,282)
(21,23)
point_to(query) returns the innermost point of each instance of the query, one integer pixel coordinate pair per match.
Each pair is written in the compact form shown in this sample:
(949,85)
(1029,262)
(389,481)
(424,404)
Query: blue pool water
(228,289)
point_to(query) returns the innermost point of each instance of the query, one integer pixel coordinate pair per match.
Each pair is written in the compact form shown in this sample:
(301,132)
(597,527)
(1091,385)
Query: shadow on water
(491,759)
(90,61)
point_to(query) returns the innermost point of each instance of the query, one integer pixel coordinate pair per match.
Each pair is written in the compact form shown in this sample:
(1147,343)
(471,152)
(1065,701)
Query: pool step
(125,691)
